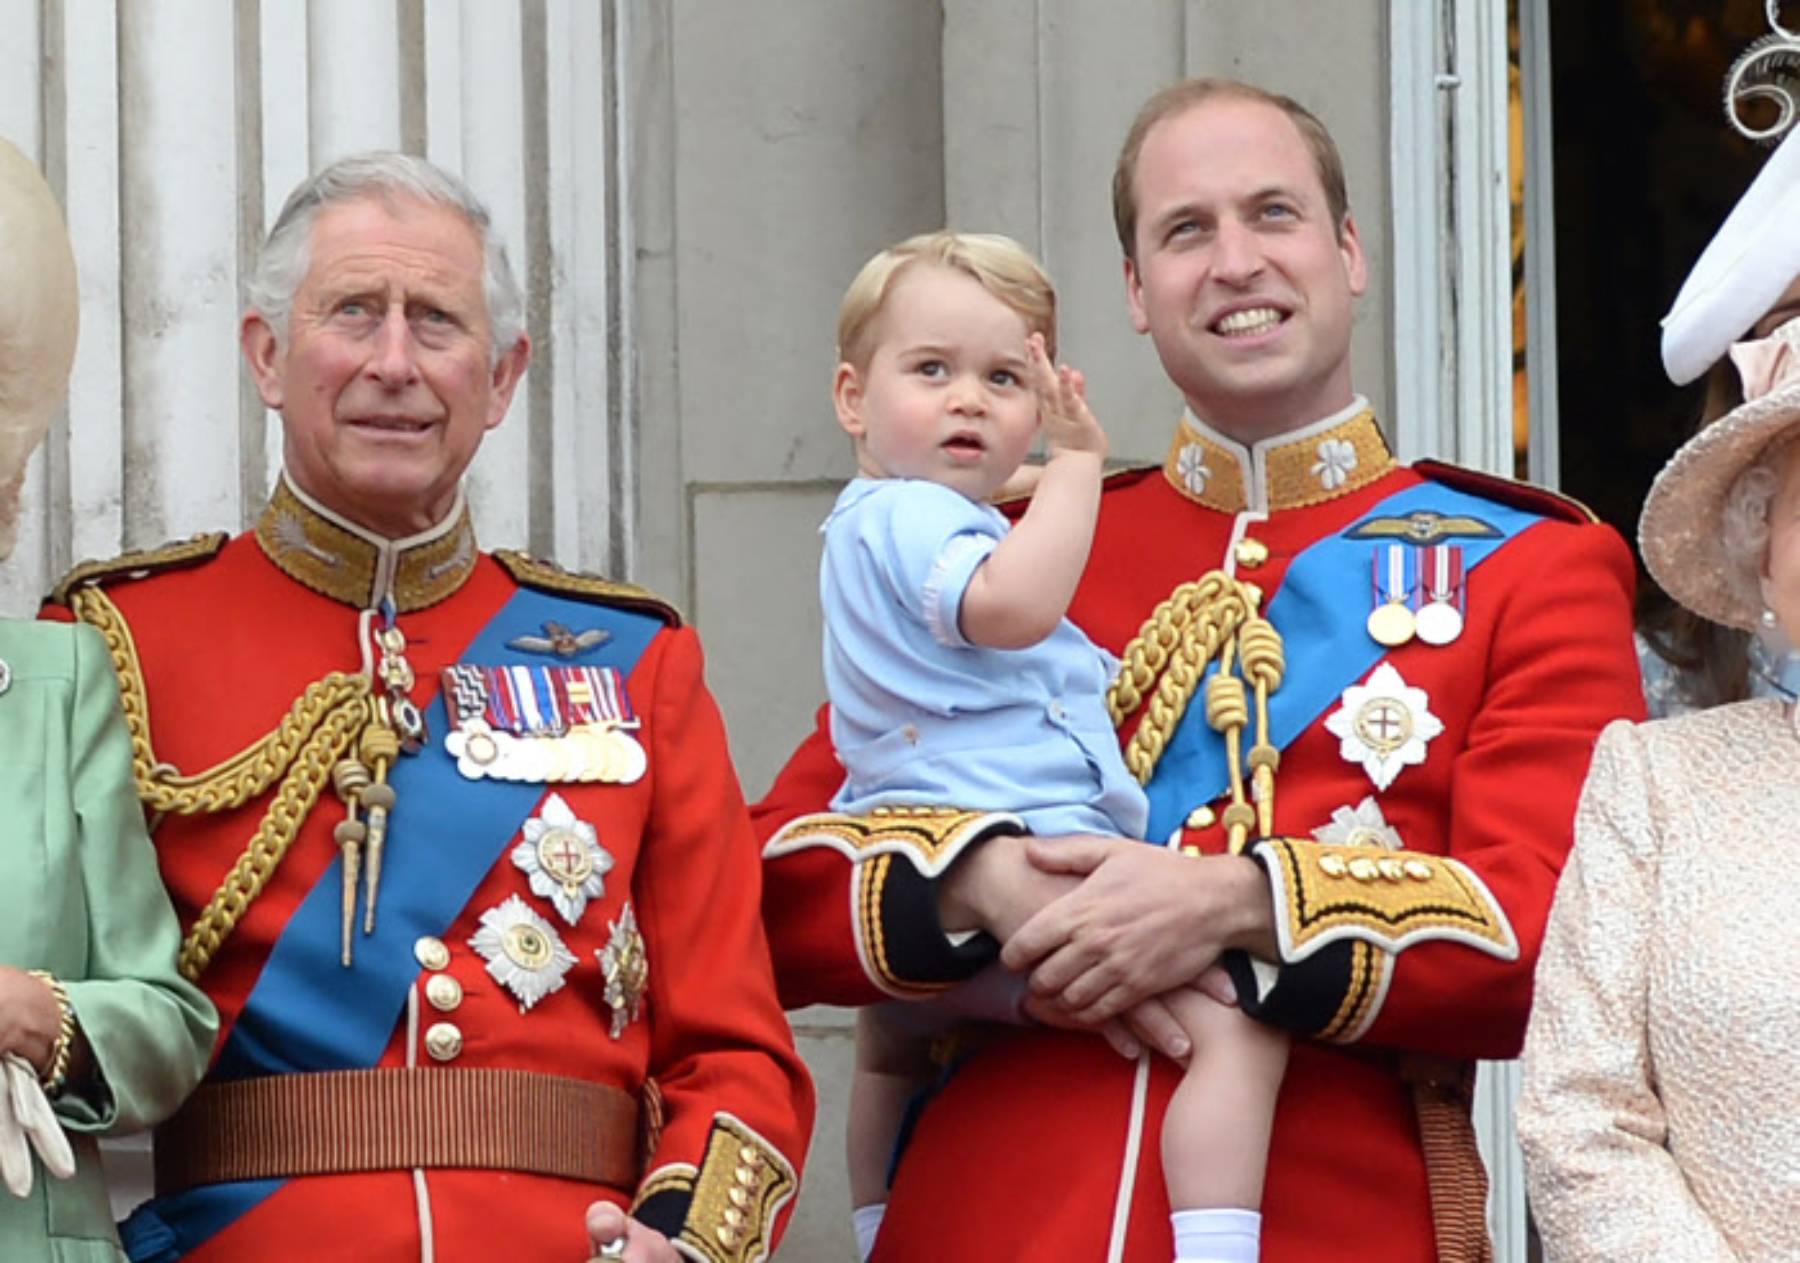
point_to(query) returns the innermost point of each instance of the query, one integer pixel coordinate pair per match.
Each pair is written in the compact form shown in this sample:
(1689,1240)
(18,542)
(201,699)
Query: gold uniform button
(748,1156)
(443,1041)
(734,1217)
(1201,817)
(1250,552)
(727,1237)
(1390,869)
(443,992)
(430,952)
(1333,865)
(739,1198)
(1418,870)
(1363,869)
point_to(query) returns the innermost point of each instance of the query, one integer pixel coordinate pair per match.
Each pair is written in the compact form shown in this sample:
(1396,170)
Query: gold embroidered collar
(334,556)
(1325,460)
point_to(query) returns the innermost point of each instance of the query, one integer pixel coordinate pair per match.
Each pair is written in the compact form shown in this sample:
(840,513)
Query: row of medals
(586,752)
(1438,621)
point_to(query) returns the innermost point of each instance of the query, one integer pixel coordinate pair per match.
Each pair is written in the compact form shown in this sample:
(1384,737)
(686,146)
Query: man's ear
(847,398)
(262,354)
(1356,264)
(1134,297)
(505,379)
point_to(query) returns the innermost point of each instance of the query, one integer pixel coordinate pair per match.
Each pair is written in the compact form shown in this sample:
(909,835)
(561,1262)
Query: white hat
(1754,257)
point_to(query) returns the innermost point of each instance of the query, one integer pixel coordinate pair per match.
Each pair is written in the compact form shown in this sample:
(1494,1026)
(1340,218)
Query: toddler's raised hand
(1062,405)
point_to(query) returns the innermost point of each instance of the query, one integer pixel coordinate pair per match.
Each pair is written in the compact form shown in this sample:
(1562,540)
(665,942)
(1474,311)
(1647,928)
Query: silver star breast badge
(524,954)
(1384,725)
(562,858)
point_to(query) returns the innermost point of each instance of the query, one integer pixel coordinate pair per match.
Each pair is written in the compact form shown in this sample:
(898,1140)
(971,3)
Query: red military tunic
(224,640)
(1045,1145)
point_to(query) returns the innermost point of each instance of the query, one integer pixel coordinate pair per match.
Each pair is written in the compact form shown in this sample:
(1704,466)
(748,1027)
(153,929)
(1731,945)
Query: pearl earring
(1768,618)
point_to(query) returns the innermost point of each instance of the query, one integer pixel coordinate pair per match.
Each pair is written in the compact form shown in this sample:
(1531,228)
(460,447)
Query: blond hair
(1000,265)
(1192,93)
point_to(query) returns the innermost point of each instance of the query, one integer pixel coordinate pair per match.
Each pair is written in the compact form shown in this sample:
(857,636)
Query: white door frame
(1453,292)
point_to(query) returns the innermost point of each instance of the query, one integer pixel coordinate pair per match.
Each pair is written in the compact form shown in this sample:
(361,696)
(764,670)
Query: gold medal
(1391,624)
(626,762)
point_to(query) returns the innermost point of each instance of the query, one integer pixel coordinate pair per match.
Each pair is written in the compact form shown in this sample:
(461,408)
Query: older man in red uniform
(457,841)
(1361,816)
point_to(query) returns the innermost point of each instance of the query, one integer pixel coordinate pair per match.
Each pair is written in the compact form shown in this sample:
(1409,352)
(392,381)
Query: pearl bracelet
(57,1073)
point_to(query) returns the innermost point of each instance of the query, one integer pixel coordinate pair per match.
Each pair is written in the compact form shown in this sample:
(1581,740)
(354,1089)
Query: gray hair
(286,254)
(1744,520)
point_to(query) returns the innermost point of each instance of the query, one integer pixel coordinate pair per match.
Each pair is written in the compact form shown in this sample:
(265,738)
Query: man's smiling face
(1240,277)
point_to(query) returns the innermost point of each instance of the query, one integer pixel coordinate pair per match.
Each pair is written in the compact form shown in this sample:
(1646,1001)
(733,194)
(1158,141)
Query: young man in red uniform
(455,836)
(1360,814)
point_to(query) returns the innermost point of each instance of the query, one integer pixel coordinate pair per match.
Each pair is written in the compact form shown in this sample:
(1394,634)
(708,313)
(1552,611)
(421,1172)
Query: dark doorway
(1646,168)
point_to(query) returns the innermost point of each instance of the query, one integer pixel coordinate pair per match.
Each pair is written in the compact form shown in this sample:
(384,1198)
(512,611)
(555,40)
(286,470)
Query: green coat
(80,896)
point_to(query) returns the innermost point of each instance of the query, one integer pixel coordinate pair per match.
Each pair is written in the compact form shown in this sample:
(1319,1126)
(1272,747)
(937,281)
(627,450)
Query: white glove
(25,1115)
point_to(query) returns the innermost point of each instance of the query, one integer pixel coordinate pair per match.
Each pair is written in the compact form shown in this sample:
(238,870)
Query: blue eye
(1004,377)
(931,368)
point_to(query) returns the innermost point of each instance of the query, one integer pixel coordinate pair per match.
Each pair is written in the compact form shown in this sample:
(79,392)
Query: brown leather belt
(398,1119)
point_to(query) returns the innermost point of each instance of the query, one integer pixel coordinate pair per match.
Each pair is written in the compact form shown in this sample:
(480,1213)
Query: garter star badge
(523,952)
(627,970)
(563,858)
(1384,725)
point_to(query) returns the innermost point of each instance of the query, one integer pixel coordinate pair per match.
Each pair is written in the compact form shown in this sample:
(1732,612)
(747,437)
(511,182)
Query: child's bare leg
(890,1068)
(1215,1135)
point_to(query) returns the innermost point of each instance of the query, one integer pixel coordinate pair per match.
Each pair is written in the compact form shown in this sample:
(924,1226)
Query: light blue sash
(1319,611)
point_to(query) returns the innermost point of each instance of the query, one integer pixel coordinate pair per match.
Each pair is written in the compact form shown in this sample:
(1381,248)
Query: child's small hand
(1062,405)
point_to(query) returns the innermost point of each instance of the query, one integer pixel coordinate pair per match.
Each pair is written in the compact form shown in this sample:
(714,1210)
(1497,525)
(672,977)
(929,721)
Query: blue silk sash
(1319,611)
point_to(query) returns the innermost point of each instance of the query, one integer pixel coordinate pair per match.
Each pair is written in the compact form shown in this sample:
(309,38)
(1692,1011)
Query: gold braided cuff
(928,837)
(56,1074)
(734,1198)
(1391,900)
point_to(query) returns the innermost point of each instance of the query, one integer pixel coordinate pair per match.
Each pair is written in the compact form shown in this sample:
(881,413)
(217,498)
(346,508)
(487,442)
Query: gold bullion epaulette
(126,567)
(1509,491)
(547,576)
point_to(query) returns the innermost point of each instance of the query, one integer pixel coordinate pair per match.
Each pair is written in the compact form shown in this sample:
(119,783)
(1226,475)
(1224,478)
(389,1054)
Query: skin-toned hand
(606,1223)
(28,1016)
(1143,921)
(1148,1023)
(1062,405)
(995,887)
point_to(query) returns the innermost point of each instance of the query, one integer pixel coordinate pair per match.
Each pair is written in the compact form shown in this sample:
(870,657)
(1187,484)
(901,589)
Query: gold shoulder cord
(1210,617)
(320,728)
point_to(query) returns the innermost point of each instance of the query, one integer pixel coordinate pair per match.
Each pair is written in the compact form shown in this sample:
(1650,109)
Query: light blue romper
(920,715)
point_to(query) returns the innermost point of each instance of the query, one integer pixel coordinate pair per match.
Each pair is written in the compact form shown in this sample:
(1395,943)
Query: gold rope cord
(231,782)
(323,724)
(299,790)
(1214,616)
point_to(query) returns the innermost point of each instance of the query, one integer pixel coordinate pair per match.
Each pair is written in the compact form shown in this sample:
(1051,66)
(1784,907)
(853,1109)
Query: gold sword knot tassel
(379,747)
(349,778)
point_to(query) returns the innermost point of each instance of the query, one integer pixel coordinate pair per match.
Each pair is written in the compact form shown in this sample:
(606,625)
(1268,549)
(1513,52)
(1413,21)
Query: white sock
(866,1220)
(1217,1236)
